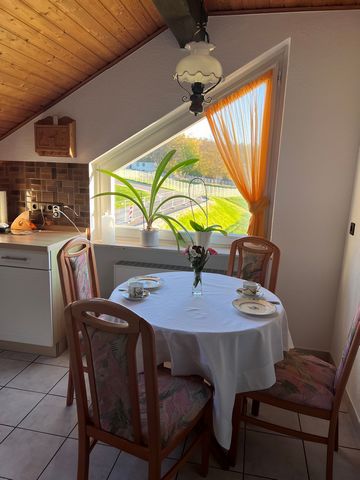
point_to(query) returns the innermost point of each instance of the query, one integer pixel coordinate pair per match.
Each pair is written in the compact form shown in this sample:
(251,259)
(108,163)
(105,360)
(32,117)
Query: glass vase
(197,283)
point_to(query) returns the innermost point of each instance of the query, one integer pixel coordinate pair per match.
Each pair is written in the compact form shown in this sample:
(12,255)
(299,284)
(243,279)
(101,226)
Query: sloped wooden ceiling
(49,48)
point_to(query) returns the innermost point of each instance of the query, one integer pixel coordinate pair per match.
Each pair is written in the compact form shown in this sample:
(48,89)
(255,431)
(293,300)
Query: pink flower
(212,251)
(186,251)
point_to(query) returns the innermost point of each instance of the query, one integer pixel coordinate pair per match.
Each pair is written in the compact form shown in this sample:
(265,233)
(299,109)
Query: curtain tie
(258,206)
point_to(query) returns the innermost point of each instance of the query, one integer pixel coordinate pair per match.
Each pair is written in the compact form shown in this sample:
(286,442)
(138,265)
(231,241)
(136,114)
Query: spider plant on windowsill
(152,212)
(203,231)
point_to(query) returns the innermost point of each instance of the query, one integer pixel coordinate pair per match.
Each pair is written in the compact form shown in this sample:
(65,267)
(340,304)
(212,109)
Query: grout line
(51,459)
(112,468)
(39,431)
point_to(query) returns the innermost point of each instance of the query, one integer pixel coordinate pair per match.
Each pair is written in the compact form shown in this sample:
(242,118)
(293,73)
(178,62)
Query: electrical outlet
(34,206)
(56,212)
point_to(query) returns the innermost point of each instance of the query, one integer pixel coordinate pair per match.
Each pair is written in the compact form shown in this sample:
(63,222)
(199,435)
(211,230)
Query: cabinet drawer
(25,258)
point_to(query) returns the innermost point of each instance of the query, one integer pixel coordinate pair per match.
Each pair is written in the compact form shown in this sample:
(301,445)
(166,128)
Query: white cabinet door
(25,306)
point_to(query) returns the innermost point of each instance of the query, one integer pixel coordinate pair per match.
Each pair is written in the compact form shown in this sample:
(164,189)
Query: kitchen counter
(46,240)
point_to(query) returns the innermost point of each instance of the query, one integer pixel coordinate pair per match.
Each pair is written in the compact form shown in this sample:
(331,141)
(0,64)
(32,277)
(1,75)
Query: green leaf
(176,196)
(183,164)
(128,197)
(197,226)
(125,182)
(160,169)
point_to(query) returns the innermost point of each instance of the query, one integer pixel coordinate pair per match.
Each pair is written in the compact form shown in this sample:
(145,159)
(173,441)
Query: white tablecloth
(207,336)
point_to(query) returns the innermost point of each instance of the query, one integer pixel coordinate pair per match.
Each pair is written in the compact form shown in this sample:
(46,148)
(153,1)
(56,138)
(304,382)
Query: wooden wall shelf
(55,140)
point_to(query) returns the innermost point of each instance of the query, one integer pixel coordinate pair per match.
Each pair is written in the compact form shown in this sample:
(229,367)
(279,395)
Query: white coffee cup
(135,290)
(250,288)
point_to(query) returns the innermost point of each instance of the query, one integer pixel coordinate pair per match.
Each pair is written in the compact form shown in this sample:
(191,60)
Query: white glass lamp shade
(199,66)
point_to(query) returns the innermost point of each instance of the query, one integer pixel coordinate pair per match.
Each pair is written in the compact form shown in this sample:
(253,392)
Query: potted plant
(203,233)
(150,211)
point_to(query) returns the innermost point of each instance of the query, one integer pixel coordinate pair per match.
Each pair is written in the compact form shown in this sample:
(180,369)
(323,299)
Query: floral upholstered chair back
(349,353)
(255,259)
(77,269)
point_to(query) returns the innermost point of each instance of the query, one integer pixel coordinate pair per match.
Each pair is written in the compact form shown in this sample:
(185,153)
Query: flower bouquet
(198,257)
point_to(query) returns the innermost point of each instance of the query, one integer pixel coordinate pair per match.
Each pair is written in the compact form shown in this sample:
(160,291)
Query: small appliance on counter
(22,225)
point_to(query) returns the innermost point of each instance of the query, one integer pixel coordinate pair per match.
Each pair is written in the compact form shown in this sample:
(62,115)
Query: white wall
(318,148)
(349,297)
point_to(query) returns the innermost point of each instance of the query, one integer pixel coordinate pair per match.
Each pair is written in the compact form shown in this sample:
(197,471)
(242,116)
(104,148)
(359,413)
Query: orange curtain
(240,124)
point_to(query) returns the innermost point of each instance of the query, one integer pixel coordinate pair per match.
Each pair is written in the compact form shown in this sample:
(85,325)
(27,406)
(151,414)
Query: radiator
(124,270)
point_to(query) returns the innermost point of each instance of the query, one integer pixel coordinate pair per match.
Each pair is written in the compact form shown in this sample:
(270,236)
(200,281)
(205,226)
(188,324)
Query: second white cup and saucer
(135,291)
(250,290)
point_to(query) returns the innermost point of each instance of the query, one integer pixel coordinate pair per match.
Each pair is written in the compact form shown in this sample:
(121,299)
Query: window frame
(173,124)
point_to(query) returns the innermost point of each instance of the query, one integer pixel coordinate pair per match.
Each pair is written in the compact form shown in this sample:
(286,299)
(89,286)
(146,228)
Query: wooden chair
(78,279)
(146,414)
(254,254)
(307,385)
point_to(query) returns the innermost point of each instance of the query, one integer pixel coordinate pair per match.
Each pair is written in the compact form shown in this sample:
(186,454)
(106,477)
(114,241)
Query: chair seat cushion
(305,380)
(181,400)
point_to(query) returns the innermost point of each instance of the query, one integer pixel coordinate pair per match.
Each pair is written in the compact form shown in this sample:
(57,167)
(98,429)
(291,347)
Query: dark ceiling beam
(182,17)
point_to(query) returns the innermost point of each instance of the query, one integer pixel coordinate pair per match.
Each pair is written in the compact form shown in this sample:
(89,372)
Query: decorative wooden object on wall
(55,139)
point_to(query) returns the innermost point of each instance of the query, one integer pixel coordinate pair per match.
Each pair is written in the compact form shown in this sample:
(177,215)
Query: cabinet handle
(21,259)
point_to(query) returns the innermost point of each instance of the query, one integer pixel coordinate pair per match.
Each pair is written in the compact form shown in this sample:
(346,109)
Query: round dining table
(205,335)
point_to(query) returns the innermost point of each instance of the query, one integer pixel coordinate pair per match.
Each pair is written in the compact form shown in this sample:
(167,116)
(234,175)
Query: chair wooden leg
(205,447)
(70,390)
(337,436)
(83,457)
(330,452)
(154,469)
(238,406)
(255,408)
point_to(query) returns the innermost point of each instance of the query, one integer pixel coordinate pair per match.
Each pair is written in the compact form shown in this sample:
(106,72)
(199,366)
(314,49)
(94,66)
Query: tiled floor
(38,436)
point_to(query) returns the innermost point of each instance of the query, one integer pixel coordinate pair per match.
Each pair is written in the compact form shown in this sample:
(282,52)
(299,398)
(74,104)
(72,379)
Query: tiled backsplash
(59,183)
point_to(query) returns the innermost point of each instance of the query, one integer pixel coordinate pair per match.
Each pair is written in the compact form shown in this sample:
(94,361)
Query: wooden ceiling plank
(54,32)
(6,123)
(27,63)
(12,114)
(137,10)
(86,21)
(24,93)
(39,55)
(153,12)
(123,16)
(46,9)
(109,22)
(34,37)
(17,104)
(28,76)
(11,81)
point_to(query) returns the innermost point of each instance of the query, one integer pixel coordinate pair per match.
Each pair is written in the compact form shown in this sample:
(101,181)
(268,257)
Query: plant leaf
(128,197)
(197,226)
(125,182)
(159,170)
(185,163)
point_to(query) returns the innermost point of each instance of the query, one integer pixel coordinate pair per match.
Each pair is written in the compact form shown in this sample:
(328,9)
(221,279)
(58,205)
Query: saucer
(126,295)
(255,296)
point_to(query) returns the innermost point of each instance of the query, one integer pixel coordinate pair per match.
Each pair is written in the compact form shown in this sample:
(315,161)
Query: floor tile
(346,462)
(24,454)
(275,456)
(64,465)
(348,434)
(4,432)
(61,361)
(9,368)
(51,415)
(61,387)
(191,472)
(16,404)
(130,467)
(24,356)
(279,416)
(38,378)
